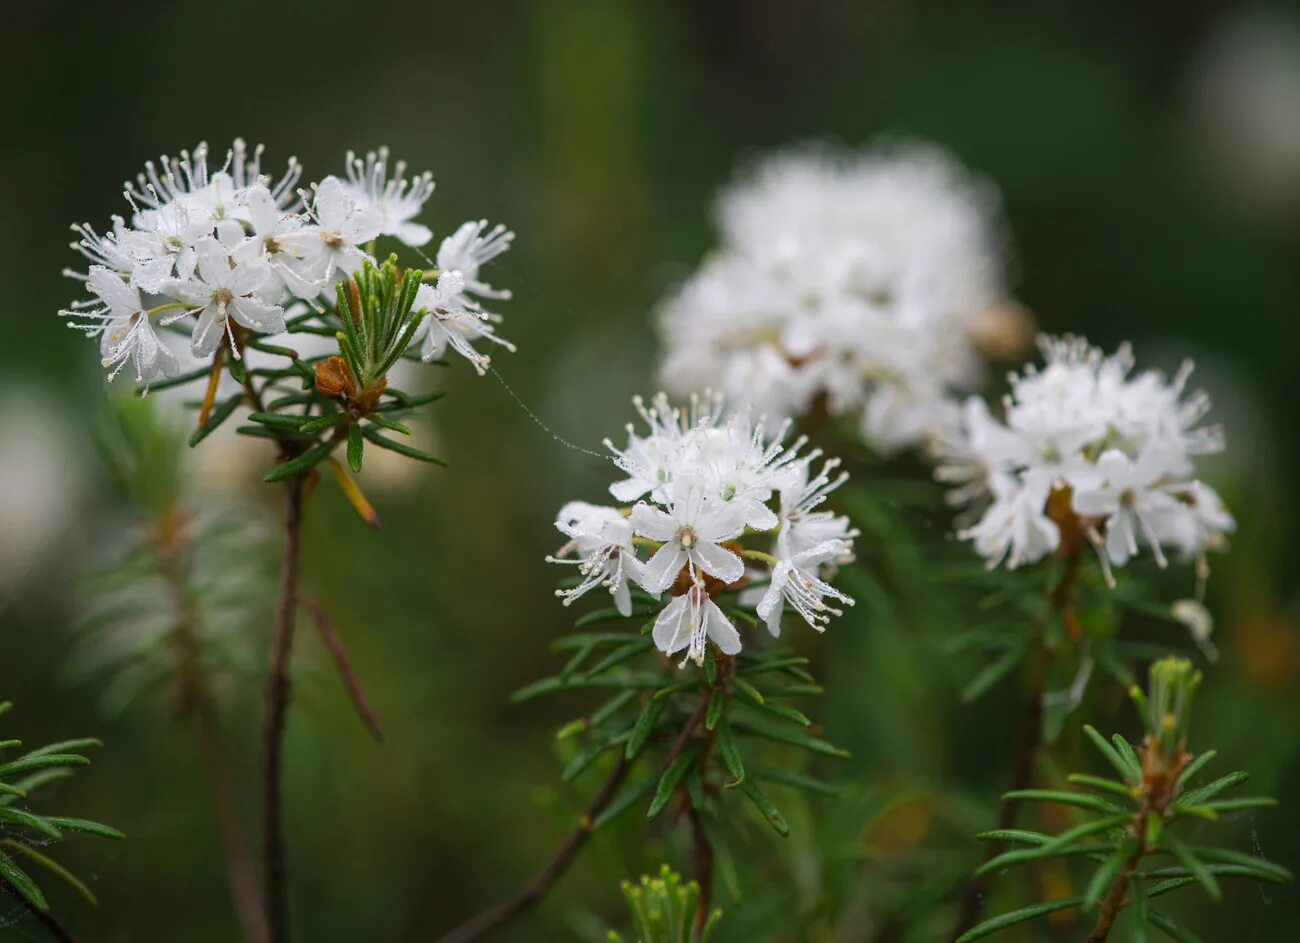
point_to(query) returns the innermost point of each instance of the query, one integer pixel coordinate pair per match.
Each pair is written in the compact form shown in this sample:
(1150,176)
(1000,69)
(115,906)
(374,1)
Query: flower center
(686,537)
(331,239)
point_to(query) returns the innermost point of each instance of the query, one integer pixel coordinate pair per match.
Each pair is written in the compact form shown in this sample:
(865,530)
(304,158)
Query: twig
(476,927)
(334,643)
(44,919)
(488,920)
(277,706)
(1116,897)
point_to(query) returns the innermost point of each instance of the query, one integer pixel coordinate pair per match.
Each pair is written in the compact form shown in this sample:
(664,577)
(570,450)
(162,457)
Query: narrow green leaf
(48,761)
(617,657)
(582,760)
(1107,750)
(402,401)
(747,689)
(1195,767)
(1129,756)
(1018,835)
(717,701)
(1077,799)
(389,424)
(624,801)
(730,754)
(608,614)
(356,447)
(277,419)
(303,463)
(1097,782)
(992,673)
(58,870)
(20,882)
(668,782)
(794,780)
(322,422)
(35,822)
(710,667)
(191,376)
(1009,859)
(400,448)
(1275,872)
(1173,930)
(219,415)
(793,737)
(1194,865)
(66,746)
(1235,805)
(1137,899)
(994,924)
(7,790)
(1086,829)
(1210,790)
(85,826)
(1105,875)
(645,724)
(750,787)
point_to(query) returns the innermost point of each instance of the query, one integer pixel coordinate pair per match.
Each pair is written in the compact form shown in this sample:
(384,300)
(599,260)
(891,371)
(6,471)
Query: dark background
(598,131)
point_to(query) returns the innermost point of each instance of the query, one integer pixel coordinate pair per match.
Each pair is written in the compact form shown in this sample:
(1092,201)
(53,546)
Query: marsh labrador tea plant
(719,533)
(242,266)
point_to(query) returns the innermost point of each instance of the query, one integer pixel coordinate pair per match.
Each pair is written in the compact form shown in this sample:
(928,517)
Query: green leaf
(191,376)
(48,761)
(20,882)
(322,422)
(1195,767)
(730,754)
(1129,756)
(1018,835)
(219,415)
(7,790)
(35,822)
(1173,930)
(356,448)
(1137,898)
(583,759)
(1017,856)
(641,730)
(1097,782)
(1210,790)
(1076,799)
(750,787)
(58,870)
(621,654)
(400,448)
(303,463)
(717,702)
(624,801)
(1105,875)
(795,781)
(1195,866)
(85,826)
(793,737)
(66,746)
(747,689)
(402,401)
(1112,755)
(1234,805)
(668,782)
(608,614)
(992,674)
(278,419)
(389,424)
(1085,830)
(1267,869)
(995,924)
(710,667)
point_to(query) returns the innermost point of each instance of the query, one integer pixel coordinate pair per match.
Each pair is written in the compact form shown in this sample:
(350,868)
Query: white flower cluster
(231,249)
(857,279)
(706,485)
(1085,442)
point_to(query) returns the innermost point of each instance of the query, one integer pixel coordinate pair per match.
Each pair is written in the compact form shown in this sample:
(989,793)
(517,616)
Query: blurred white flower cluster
(1085,444)
(213,253)
(858,281)
(707,487)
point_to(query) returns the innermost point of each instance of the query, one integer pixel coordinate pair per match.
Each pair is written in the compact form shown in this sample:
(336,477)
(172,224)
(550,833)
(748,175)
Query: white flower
(271,231)
(394,200)
(795,580)
(119,319)
(223,292)
(689,621)
(450,324)
(468,249)
(653,460)
(858,282)
(804,528)
(329,250)
(601,540)
(692,532)
(1121,447)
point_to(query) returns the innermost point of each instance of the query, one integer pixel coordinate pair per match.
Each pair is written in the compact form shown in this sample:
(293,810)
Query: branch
(476,927)
(277,706)
(334,643)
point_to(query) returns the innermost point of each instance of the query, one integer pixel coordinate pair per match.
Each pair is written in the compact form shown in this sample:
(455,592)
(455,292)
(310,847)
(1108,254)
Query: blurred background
(1148,155)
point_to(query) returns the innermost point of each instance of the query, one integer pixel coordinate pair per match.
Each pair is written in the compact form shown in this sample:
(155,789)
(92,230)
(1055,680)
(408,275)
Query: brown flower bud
(333,378)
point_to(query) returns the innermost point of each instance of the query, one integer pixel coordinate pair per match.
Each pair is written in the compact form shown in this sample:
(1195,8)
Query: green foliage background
(598,131)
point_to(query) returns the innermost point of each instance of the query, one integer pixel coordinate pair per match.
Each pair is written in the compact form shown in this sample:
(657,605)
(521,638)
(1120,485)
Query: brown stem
(477,927)
(1116,897)
(196,704)
(334,643)
(44,919)
(701,867)
(277,706)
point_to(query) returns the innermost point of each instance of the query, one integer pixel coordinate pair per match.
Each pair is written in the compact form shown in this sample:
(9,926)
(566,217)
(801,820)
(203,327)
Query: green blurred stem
(44,919)
(701,867)
(1116,897)
(196,705)
(277,708)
